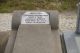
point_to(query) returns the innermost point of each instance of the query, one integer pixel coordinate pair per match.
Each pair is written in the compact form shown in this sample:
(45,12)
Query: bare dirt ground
(67,21)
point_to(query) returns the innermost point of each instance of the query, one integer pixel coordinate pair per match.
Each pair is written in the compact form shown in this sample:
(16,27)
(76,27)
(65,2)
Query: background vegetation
(11,5)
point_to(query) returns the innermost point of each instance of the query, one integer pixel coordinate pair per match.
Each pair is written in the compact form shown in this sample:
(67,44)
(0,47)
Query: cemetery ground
(67,21)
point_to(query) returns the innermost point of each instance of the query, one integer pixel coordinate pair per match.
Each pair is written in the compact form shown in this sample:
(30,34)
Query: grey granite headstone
(78,20)
(72,42)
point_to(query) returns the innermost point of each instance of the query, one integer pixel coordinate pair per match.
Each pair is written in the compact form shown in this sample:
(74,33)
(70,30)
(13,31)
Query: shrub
(3,1)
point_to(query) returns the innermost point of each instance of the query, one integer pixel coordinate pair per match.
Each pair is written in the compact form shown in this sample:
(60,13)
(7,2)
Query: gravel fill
(5,21)
(67,21)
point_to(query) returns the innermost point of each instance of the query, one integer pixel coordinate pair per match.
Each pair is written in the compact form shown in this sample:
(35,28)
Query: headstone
(70,42)
(78,42)
(72,39)
(35,35)
(78,20)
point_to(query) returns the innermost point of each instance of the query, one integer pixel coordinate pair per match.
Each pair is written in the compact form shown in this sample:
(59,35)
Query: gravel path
(67,21)
(5,21)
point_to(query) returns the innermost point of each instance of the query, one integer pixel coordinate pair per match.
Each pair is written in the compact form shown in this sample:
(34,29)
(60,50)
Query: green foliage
(3,1)
(11,5)
(68,4)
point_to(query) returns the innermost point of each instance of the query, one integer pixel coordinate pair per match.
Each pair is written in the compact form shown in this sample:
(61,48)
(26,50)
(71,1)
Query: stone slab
(78,42)
(36,39)
(10,43)
(3,41)
(57,41)
(71,42)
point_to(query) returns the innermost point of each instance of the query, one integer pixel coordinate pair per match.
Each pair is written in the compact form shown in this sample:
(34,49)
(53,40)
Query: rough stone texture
(5,21)
(67,21)
(37,39)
